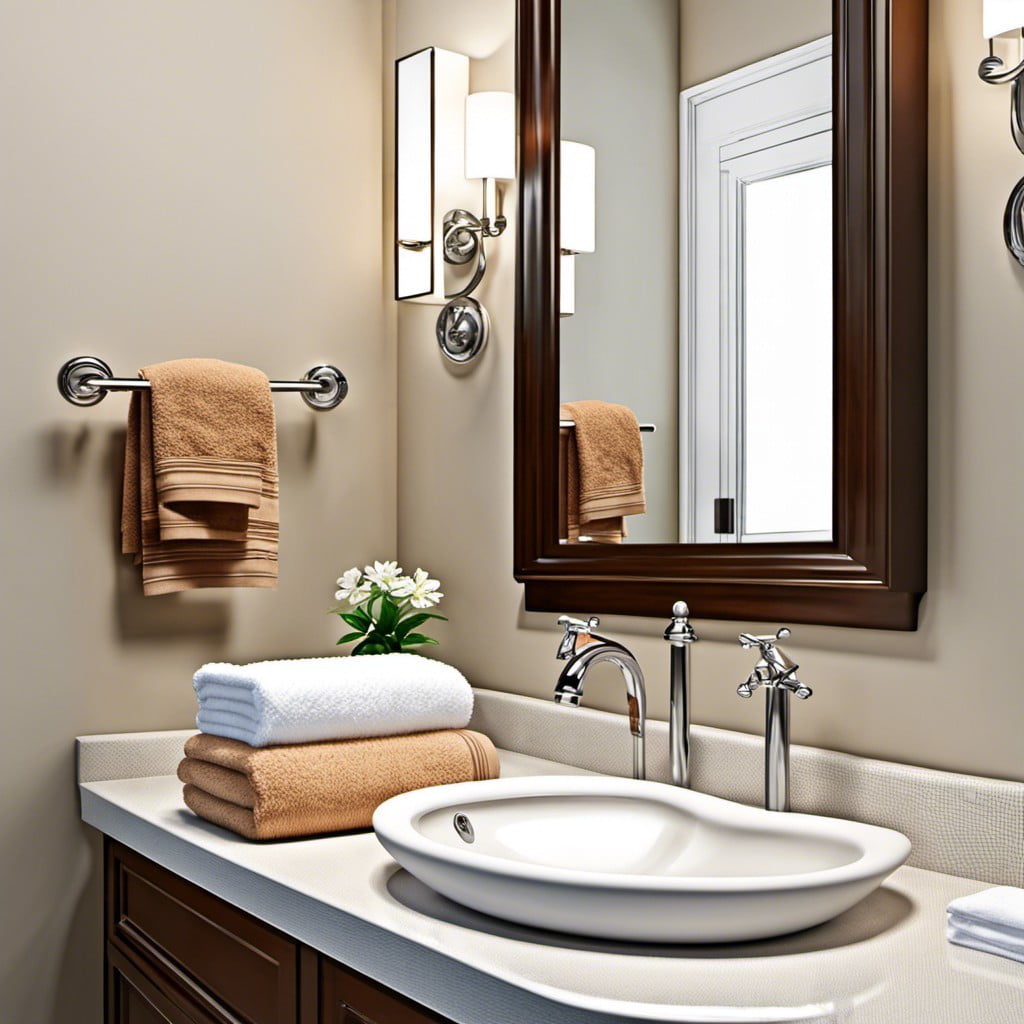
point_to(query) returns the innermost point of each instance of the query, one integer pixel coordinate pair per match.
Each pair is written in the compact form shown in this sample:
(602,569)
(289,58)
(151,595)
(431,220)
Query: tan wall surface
(948,696)
(177,179)
(717,36)
(205,179)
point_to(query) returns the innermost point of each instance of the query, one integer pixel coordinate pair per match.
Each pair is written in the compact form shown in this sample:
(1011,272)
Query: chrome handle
(749,640)
(578,625)
(761,676)
(774,669)
(795,687)
(573,629)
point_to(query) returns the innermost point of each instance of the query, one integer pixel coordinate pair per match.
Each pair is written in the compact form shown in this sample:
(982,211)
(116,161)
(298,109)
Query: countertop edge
(432,978)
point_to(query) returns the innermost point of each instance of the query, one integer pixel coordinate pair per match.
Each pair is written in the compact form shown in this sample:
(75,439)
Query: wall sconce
(446,139)
(1001,18)
(490,145)
(577,195)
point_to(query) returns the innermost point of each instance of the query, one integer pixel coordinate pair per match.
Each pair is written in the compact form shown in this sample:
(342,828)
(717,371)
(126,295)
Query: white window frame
(768,104)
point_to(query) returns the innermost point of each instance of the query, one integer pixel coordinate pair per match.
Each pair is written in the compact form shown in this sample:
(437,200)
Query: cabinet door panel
(137,998)
(349,998)
(243,967)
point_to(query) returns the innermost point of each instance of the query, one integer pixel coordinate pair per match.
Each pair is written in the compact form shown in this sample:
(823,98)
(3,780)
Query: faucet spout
(584,648)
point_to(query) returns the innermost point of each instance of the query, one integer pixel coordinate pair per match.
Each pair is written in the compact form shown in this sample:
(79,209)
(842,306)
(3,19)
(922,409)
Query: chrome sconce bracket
(463,325)
(993,71)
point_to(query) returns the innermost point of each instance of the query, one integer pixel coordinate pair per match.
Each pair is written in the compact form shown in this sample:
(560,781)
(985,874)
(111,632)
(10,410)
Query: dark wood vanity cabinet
(175,954)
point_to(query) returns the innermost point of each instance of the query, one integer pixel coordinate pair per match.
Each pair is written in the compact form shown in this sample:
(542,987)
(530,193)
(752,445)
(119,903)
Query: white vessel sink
(641,861)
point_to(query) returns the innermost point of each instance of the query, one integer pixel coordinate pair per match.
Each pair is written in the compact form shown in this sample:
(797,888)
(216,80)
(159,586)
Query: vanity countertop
(886,960)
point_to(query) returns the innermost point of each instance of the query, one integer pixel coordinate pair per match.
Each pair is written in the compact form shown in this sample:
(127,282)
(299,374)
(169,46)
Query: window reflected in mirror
(696,337)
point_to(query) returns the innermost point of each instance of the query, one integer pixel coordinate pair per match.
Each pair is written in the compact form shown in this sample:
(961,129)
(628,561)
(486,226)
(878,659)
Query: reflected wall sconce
(451,147)
(1006,18)
(577,227)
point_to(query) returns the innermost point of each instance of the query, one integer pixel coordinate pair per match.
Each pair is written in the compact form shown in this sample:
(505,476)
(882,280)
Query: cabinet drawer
(134,997)
(214,950)
(349,998)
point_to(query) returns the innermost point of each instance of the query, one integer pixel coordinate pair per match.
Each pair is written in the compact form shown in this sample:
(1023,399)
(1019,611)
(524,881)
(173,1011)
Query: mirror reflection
(696,343)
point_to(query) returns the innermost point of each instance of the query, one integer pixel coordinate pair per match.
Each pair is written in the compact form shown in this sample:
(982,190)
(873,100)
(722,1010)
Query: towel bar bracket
(86,380)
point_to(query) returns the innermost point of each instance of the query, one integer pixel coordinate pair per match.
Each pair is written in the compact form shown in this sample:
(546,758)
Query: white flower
(384,574)
(422,591)
(348,584)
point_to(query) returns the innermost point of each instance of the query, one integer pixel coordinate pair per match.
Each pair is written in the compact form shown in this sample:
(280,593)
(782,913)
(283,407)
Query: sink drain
(464,827)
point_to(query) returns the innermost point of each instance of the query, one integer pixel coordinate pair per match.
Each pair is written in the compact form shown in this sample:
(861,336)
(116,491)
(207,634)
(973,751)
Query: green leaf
(415,639)
(358,620)
(366,647)
(394,645)
(349,637)
(409,624)
(388,616)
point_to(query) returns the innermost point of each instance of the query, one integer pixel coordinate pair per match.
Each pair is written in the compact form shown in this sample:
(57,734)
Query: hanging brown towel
(200,505)
(603,470)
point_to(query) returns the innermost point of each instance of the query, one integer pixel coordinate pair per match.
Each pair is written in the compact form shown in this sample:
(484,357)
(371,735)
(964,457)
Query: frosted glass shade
(578,190)
(567,285)
(491,135)
(1002,16)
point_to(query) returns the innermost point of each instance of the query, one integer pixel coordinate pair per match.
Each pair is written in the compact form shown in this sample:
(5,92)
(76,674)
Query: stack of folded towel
(307,746)
(991,921)
(200,506)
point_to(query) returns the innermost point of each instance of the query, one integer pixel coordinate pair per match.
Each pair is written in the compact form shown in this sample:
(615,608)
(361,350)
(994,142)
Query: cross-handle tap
(777,674)
(774,668)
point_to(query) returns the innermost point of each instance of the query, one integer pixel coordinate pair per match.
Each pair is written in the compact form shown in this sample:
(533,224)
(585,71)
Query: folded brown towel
(200,505)
(603,470)
(312,788)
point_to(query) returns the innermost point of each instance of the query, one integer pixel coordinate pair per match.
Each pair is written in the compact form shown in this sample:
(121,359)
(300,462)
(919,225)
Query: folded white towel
(1000,907)
(991,921)
(972,940)
(306,700)
(1012,938)
(957,927)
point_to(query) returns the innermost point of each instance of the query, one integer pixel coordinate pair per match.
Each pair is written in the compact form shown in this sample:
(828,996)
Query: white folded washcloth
(962,937)
(306,700)
(991,921)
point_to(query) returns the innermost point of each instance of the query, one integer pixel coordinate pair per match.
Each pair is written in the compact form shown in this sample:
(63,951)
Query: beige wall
(717,36)
(950,695)
(206,178)
(177,179)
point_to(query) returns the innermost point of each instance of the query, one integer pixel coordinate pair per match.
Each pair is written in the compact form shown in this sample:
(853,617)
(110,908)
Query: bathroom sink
(628,860)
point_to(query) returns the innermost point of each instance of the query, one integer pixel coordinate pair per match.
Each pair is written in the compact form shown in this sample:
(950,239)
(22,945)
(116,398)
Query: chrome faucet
(582,648)
(777,674)
(680,635)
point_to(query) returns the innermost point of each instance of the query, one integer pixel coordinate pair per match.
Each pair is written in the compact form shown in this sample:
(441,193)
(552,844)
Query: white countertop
(885,961)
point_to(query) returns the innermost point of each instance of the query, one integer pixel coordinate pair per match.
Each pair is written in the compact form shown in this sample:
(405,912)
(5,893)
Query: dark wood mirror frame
(873,573)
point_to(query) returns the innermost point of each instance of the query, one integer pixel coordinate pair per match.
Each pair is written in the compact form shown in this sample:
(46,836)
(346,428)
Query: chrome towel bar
(85,380)
(645,428)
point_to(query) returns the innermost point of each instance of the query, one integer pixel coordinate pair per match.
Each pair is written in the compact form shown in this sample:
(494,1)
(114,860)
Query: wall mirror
(722,229)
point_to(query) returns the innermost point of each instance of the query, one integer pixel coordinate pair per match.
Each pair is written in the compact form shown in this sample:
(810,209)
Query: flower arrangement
(383,607)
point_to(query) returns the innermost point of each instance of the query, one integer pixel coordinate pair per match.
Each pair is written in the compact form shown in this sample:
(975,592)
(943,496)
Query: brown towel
(310,788)
(603,470)
(200,504)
